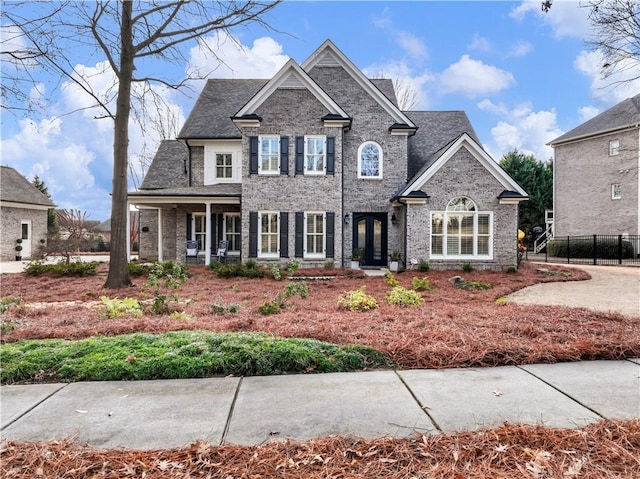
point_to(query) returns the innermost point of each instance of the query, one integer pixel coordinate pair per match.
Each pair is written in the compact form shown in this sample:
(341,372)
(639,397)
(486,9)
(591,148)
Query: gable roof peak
(328,54)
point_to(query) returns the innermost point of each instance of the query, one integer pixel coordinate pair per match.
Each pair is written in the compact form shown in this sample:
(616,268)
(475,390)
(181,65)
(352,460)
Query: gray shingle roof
(622,115)
(167,169)
(16,188)
(221,189)
(385,85)
(436,129)
(219,101)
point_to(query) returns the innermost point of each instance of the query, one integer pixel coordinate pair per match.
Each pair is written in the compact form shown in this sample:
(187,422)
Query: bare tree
(616,34)
(405,93)
(129,35)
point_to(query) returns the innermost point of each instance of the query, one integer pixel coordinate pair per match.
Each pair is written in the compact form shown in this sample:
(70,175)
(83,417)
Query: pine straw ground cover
(451,328)
(607,449)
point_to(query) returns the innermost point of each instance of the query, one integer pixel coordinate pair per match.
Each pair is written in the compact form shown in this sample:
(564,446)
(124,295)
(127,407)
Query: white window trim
(475,255)
(201,252)
(215,166)
(324,157)
(260,253)
(613,151)
(360,175)
(322,255)
(262,171)
(613,191)
(224,233)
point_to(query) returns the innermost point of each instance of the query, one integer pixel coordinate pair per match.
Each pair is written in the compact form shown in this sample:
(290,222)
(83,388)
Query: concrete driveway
(611,288)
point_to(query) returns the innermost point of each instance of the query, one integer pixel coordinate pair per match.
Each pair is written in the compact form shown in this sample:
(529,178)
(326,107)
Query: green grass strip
(180,354)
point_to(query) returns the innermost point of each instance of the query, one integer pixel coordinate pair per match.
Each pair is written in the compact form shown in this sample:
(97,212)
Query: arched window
(370,160)
(461,231)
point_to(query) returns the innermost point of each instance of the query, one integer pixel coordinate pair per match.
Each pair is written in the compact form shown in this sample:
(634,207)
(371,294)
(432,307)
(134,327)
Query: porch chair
(222,250)
(192,251)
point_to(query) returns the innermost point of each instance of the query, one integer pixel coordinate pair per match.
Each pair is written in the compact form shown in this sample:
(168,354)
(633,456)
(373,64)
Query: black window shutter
(331,237)
(331,155)
(299,155)
(188,226)
(284,155)
(253,234)
(299,234)
(284,234)
(253,155)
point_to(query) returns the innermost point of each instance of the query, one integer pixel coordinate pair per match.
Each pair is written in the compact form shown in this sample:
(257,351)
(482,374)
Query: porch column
(128,237)
(207,236)
(160,259)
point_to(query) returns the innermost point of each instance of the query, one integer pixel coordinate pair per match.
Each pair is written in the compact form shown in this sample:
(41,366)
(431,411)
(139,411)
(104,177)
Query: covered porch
(171,220)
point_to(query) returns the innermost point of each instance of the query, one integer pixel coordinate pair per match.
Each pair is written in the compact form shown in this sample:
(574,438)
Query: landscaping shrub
(471,285)
(467,267)
(250,269)
(63,268)
(424,266)
(139,269)
(422,284)
(583,248)
(7,302)
(357,300)
(115,308)
(390,279)
(403,297)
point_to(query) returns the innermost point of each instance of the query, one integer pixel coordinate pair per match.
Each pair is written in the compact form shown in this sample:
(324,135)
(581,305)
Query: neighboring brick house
(23,215)
(319,160)
(595,187)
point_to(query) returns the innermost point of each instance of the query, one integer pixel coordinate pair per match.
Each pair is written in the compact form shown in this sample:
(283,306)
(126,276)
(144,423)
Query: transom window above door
(370,160)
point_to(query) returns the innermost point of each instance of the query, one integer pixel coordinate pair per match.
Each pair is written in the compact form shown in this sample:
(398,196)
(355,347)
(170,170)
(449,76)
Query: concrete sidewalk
(175,413)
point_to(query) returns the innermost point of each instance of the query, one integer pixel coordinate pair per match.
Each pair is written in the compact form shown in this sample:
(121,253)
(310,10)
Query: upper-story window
(370,160)
(614,147)
(616,191)
(269,156)
(224,165)
(315,155)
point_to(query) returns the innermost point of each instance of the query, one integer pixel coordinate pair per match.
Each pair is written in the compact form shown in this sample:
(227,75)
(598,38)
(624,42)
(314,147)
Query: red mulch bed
(452,328)
(607,449)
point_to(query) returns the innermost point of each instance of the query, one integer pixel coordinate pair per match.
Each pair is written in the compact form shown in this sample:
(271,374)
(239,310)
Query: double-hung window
(616,191)
(269,155)
(232,233)
(370,161)
(614,147)
(315,155)
(314,235)
(461,231)
(268,234)
(224,165)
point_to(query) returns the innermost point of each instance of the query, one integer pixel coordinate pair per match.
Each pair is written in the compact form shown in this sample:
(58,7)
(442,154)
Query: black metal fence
(592,249)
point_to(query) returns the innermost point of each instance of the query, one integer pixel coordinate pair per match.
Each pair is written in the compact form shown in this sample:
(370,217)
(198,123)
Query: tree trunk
(118,276)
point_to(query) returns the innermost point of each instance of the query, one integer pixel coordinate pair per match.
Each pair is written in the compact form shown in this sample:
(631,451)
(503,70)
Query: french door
(370,234)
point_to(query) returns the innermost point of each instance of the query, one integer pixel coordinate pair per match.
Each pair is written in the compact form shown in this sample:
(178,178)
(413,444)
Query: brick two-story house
(317,161)
(596,188)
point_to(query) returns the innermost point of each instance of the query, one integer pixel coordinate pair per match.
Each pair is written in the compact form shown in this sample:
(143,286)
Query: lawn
(451,328)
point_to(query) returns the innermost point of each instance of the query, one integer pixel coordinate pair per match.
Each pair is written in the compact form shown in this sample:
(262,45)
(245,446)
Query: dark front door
(370,234)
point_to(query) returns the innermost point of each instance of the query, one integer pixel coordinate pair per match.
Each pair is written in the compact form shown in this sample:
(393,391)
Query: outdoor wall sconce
(394,219)
(145,229)
(347,218)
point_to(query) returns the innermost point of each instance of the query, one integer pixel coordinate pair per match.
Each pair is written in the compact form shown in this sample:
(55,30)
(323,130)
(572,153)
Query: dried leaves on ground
(608,449)
(451,328)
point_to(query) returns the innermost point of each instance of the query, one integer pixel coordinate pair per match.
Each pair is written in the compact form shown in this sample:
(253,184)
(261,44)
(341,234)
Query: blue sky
(522,77)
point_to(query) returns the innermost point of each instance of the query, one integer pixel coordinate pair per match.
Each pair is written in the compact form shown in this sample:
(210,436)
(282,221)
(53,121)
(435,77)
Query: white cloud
(479,43)
(619,86)
(408,78)
(234,60)
(412,45)
(474,78)
(565,18)
(587,112)
(520,49)
(523,129)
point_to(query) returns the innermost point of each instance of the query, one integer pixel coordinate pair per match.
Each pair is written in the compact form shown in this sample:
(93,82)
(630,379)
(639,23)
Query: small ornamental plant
(422,284)
(400,296)
(357,300)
